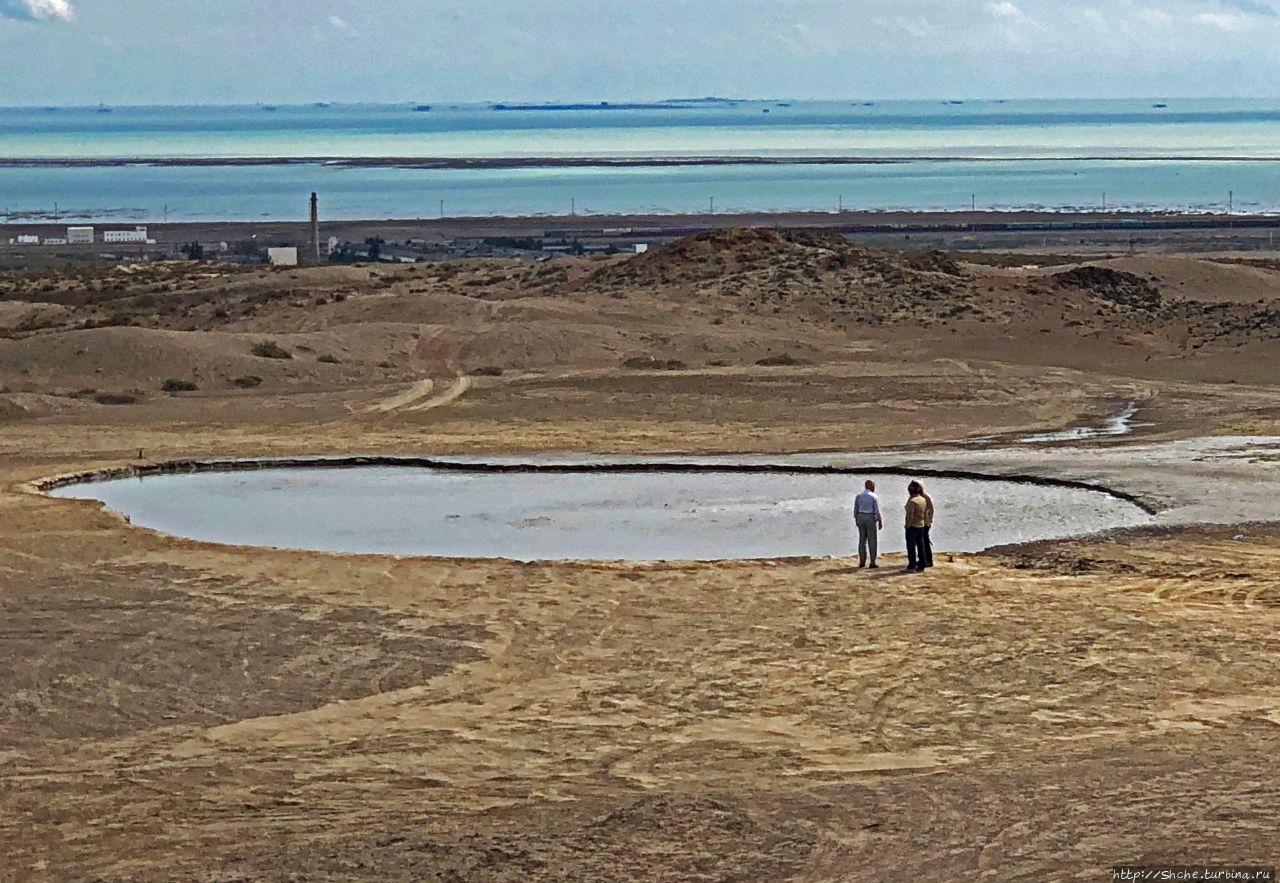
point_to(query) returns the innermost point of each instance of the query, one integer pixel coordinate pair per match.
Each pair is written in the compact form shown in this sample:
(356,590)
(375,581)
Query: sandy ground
(172,711)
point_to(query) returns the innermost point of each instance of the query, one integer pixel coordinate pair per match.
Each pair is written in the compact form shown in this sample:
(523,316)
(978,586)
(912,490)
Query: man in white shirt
(866,515)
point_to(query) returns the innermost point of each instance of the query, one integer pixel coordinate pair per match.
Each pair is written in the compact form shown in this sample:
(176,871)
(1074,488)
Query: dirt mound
(1209,280)
(816,274)
(705,256)
(935,262)
(1184,319)
(1114,286)
(1229,324)
(715,254)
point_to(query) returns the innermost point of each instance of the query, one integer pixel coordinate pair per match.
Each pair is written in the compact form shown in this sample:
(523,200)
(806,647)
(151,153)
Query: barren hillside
(742,298)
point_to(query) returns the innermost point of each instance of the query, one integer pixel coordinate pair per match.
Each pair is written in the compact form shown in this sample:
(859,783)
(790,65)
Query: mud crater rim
(683,465)
(639,510)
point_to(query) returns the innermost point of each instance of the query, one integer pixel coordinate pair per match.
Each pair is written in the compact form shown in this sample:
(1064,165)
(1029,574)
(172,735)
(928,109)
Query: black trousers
(927,556)
(916,547)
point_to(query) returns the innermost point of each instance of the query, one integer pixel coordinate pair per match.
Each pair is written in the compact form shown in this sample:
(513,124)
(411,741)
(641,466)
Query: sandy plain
(171,710)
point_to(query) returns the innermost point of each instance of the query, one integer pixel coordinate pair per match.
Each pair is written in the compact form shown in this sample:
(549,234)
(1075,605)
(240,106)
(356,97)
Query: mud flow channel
(598,515)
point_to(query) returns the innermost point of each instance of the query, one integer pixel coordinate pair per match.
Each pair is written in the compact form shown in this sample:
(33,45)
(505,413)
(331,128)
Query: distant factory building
(55,240)
(80,235)
(137,234)
(283,257)
(25,240)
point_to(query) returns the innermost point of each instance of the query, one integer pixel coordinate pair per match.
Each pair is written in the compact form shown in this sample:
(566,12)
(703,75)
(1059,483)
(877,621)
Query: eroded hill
(757,298)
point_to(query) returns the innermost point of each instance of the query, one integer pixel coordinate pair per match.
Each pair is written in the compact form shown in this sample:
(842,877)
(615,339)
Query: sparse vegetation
(173,384)
(115,398)
(269,349)
(249,381)
(329,359)
(780,361)
(488,371)
(1113,286)
(649,363)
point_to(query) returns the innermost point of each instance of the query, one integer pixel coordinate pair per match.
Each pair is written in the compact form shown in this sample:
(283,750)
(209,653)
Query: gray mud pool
(593,515)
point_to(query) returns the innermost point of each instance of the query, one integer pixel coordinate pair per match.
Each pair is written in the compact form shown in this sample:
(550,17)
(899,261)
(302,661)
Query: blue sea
(377,161)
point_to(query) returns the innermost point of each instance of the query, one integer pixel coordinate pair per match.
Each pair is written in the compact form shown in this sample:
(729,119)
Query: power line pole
(713,205)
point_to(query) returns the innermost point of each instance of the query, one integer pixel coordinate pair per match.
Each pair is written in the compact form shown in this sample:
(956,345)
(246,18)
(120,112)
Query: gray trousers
(868,537)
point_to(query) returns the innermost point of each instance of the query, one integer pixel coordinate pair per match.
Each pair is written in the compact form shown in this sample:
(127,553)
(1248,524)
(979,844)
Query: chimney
(315,226)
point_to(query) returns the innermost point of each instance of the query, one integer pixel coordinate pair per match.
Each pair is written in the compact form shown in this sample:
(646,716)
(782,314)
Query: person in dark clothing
(917,511)
(928,526)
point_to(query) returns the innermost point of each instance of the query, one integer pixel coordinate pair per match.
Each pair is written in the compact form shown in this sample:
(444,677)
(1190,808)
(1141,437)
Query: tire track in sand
(418,397)
(455,391)
(417,391)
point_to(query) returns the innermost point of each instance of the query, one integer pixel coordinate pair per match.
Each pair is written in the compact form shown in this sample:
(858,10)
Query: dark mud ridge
(180,467)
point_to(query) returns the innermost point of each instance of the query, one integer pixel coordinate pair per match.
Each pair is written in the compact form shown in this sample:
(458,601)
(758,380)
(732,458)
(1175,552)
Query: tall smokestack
(315,225)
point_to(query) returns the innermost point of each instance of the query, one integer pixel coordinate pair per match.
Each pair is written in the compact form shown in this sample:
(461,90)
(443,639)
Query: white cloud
(1095,18)
(1005,9)
(1252,7)
(339,23)
(1224,21)
(38,10)
(1156,18)
(1015,24)
(915,26)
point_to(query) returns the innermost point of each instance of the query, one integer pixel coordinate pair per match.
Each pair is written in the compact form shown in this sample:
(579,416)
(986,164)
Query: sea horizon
(675,156)
(594,102)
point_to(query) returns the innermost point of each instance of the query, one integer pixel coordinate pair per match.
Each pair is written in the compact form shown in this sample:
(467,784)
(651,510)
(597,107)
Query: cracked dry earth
(181,712)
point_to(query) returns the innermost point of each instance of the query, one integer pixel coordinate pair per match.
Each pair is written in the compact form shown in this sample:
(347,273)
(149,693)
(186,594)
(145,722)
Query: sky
(287,51)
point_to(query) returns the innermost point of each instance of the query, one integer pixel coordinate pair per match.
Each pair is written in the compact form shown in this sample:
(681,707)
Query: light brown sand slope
(263,715)
(173,711)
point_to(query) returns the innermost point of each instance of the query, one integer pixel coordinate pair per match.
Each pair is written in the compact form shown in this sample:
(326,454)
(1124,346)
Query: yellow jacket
(917,512)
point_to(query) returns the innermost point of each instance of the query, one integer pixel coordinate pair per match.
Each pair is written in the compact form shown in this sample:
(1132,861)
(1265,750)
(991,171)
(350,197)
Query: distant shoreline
(642,225)
(544,162)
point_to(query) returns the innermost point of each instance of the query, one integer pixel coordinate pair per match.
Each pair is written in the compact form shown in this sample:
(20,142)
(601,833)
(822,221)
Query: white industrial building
(55,240)
(80,235)
(283,257)
(137,234)
(25,240)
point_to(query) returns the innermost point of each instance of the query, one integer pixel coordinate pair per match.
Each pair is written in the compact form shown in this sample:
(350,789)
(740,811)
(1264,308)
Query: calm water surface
(596,515)
(1055,155)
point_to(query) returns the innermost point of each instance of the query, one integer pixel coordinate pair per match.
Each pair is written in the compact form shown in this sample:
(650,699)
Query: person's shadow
(881,572)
